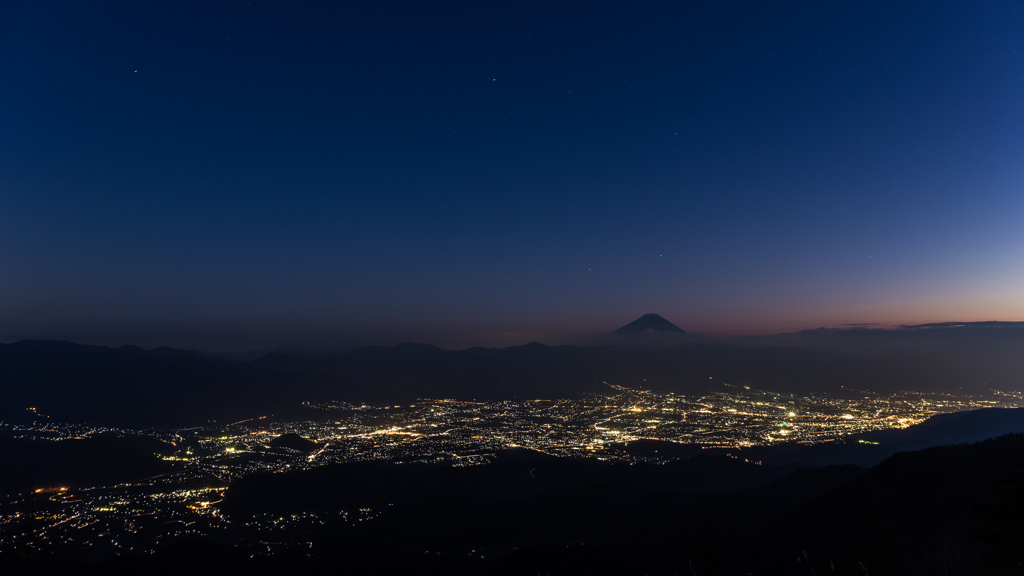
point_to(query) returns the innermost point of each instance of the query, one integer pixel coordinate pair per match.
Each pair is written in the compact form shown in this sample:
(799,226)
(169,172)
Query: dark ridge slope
(912,514)
(871,448)
(294,442)
(129,386)
(513,474)
(95,461)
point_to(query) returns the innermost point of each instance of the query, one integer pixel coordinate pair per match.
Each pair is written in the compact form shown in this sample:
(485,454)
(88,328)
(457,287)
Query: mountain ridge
(166,387)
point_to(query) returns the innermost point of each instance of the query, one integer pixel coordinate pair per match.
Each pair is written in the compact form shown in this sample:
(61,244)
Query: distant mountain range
(992,338)
(257,354)
(167,387)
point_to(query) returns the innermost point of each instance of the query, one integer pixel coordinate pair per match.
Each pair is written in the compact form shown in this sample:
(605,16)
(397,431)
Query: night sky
(243,175)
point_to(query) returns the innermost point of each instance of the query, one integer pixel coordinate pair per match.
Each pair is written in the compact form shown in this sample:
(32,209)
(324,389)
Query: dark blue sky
(238,175)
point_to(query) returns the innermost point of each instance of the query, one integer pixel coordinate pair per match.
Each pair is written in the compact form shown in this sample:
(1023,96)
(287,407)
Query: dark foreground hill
(914,513)
(99,460)
(870,448)
(917,513)
(294,442)
(866,449)
(512,474)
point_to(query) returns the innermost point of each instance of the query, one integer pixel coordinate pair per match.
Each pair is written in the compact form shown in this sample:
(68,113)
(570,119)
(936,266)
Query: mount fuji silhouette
(651,322)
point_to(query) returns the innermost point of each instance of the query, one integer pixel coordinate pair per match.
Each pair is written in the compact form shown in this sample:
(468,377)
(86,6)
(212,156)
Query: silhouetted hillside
(513,474)
(527,513)
(129,386)
(870,448)
(95,461)
(294,442)
(909,515)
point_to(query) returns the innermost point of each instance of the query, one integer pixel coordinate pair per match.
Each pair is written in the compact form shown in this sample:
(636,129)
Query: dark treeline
(943,510)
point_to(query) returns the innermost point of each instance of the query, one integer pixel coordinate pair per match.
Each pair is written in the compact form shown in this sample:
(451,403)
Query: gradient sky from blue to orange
(254,174)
